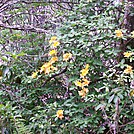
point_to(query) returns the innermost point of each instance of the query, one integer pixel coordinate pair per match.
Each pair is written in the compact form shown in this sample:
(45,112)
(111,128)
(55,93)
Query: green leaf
(111,98)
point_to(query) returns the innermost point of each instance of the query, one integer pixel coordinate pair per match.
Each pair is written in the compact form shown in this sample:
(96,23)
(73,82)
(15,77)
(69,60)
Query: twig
(131,122)
(55,75)
(23,28)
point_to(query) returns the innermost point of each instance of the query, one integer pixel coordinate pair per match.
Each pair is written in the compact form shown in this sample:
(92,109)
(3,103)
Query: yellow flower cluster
(48,67)
(128,70)
(53,41)
(83,92)
(67,56)
(127,54)
(34,74)
(59,114)
(53,59)
(84,71)
(84,82)
(52,52)
(119,33)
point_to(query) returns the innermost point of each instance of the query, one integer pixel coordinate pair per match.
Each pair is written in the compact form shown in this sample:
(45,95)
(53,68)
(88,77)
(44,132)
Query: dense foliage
(78,78)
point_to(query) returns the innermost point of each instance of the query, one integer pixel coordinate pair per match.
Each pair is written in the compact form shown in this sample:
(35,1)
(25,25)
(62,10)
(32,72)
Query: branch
(55,75)
(51,1)
(129,123)
(23,28)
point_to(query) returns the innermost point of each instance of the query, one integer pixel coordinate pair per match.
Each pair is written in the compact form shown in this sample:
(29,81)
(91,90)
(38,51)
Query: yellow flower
(53,68)
(84,72)
(53,38)
(46,68)
(78,84)
(127,54)
(55,44)
(34,74)
(132,93)
(82,93)
(87,66)
(85,82)
(53,59)
(85,90)
(0,77)
(132,34)
(42,68)
(128,70)
(118,33)
(67,56)
(47,65)
(59,114)
(52,52)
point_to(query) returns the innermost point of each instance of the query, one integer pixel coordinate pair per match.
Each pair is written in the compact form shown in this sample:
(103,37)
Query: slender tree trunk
(129,21)
(129,25)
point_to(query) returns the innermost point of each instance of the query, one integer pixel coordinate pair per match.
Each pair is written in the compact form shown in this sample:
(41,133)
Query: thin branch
(129,123)
(51,1)
(23,28)
(55,75)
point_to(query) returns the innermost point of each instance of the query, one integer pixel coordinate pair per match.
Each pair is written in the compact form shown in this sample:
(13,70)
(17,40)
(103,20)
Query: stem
(116,125)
